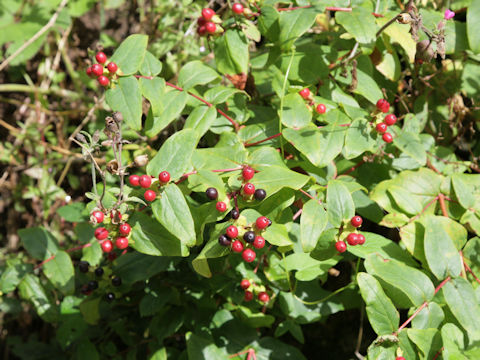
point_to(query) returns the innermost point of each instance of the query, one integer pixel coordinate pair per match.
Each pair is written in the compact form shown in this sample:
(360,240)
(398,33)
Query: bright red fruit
(103,80)
(341,246)
(304,93)
(321,108)
(101,57)
(164,177)
(387,137)
(221,206)
(249,189)
(356,221)
(360,239)
(201,21)
(262,222)
(145,181)
(399,358)
(89,71)
(245,284)
(98,216)
(237,8)
(352,239)
(101,233)
(248,255)
(248,296)
(149,195)
(134,180)
(237,246)
(210,27)
(248,173)
(124,229)
(107,246)
(112,68)
(121,243)
(381,127)
(390,119)
(97,69)
(201,30)
(259,242)
(232,232)
(208,14)
(263,297)
(383,105)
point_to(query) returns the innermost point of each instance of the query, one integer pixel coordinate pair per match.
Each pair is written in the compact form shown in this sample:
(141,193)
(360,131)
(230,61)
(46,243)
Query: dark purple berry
(224,240)
(83,266)
(249,237)
(235,214)
(116,281)
(260,194)
(92,285)
(212,193)
(110,297)
(99,271)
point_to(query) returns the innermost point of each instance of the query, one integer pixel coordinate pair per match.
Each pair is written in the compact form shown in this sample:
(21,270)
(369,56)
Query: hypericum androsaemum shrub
(304,159)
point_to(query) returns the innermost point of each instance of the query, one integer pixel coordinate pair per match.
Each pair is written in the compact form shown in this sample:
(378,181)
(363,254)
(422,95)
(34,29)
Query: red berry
(101,233)
(103,80)
(124,229)
(201,21)
(387,137)
(89,71)
(210,27)
(245,284)
(98,216)
(149,195)
(201,30)
(237,246)
(259,242)
(262,222)
(399,358)
(352,239)
(341,246)
(134,180)
(164,177)
(263,297)
(221,206)
(208,14)
(112,256)
(356,221)
(304,93)
(232,232)
(248,173)
(381,128)
(360,239)
(97,69)
(248,296)
(101,57)
(145,181)
(390,119)
(112,68)
(249,189)
(321,108)
(248,255)
(237,8)
(107,246)
(115,215)
(383,105)
(121,243)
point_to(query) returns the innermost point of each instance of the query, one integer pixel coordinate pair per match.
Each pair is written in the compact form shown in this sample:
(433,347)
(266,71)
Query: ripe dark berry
(237,8)
(248,173)
(112,256)
(262,222)
(211,193)
(201,21)
(356,221)
(260,194)
(92,285)
(107,246)
(237,246)
(97,69)
(248,189)
(224,240)
(164,177)
(116,281)
(83,266)
(249,237)
(321,109)
(248,255)
(121,243)
(259,242)
(304,93)
(112,68)
(145,181)
(210,27)
(101,57)
(85,290)
(149,195)
(270,222)
(360,239)
(383,105)
(232,231)
(202,30)
(352,239)
(235,214)
(245,284)
(103,80)
(390,119)
(124,229)
(208,14)
(101,233)
(248,296)
(387,137)
(263,297)
(134,180)
(341,246)
(221,206)
(98,216)
(99,271)
(110,297)
(381,128)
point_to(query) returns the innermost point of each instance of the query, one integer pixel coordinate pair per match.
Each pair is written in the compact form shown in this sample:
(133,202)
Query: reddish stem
(261,141)
(470,271)
(297,214)
(424,209)
(328,8)
(185,176)
(353,168)
(438,353)
(310,196)
(68,251)
(441,199)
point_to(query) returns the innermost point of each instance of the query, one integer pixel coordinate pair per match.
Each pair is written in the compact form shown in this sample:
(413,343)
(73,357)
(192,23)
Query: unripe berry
(352,239)
(237,246)
(305,93)
(211,193)
(248,255)
(341,246)
(360,239)
(97,69)
(248,189)
(249,237)
(356,221)
(321,109)
(259,242)
(387,137)
(149,195)
(103,80)
(107,246)
(390,119)
(124,229)
(224,240)
(134,180)
(248,173)
(145,181)
(208,14)
(232,231)
(262,222)
(263,297)
(237,8)
(101,57)
(101,233)
(221,206)
(210,27)
(121,243)
(164,177)
(245,284)
(260,194)
(97,216)
(112,68)
(248,296)
(381,127)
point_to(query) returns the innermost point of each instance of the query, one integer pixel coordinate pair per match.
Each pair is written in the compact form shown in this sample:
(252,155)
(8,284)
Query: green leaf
(13,274)
(220,94)
(126,98)
(174,155)
(196,73)
(410,144)
(60,272)
(383,316)
(293,24)
(428,341)
(405,200)
(130,54)
(134,266)
(200,348)
(463,191)
(151,66)
(231,52)
(453,342)
(274,178)
(277,234)
(340,206)
(360,23)
(172,211)
(358,139)
(431,316)
(173,103)
(204,179)
(473,26)
(201,119)
(153,90)
(211,250)
(73,212)
(307,268)
(39,243)
(31,290)
(295,112)
(312,223)
(367,87)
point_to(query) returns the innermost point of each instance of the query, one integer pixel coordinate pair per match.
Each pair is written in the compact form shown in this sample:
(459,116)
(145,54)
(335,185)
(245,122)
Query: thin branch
(441,199)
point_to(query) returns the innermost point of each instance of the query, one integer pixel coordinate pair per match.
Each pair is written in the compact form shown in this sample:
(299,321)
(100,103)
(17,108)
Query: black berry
(235,214)
(224,240)
(249,237)
(99,271)
(269,222)
(110,297)
(260,194)
(212,193)
(92,285)
(116,281)
(83,266)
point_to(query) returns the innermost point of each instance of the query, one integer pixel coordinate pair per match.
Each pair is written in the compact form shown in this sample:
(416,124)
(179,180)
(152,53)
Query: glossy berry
(224,240)
(149,195)
(89,71)
(248,255)
(116,281)
(237,8)
(356,221)
(352,239)
(270,222)
(249,237)
(83,266)
(383,105)
(99,271)
(134,180)
(249,189)
(360,239)
(260,194)
(201,31)
(110,297)
(341,246)
(112,68)
(103,80)
(201,21)
(101,233)
(321,109)
(121,243)
(124,229)
(221,206)
(259,242)
(164,177)
(235,214)
(248,173)
(399,358)
(145,181)
(237,246)
(263,297)
(262,222)
(390,119)
(98,216)
(101,57)
(211,193)
(232,231)
(245,284)
(92,285)
(387,137)
(381,127)
(97,69)
(304,93)
(208,14)
(248,296)
(210,27)
(107,246)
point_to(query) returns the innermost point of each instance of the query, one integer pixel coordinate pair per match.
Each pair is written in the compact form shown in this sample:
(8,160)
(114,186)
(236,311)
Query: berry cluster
(383,106)
(207,23)
(250,288)
(102,72)
(92,285)
(352,238)
(119,233)
(145,181)
(307,95)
